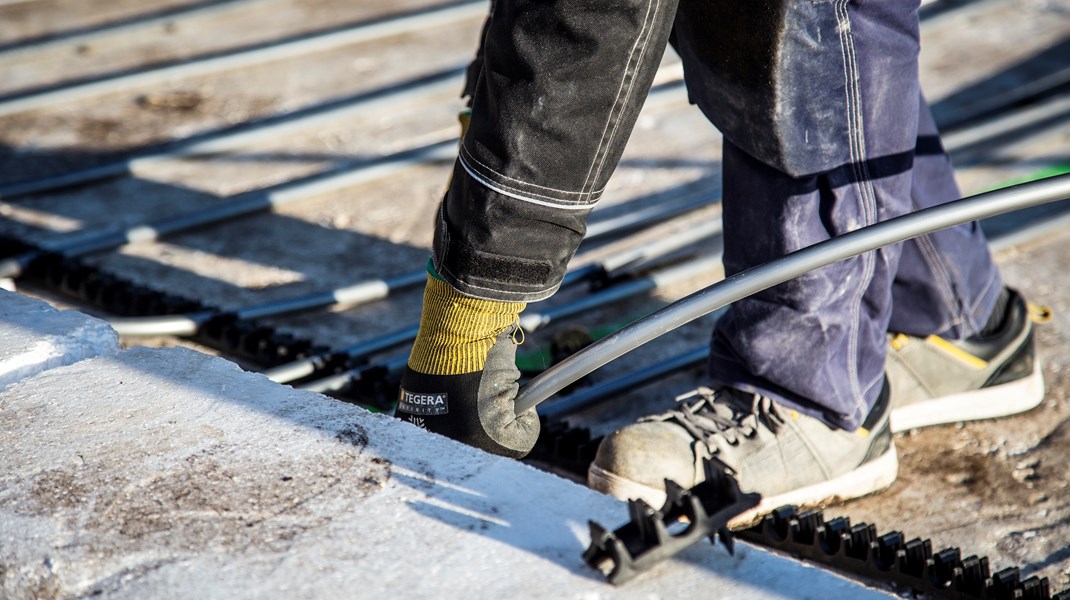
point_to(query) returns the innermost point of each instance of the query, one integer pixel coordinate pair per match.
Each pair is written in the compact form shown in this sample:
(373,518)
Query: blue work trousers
(825,131)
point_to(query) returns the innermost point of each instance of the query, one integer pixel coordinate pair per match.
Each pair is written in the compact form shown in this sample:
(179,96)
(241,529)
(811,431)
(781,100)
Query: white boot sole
(871,477)
(986,403)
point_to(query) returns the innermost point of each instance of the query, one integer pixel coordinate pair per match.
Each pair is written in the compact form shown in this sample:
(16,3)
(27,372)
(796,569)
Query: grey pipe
(177,325)
(637,258)
(431,85)
(530,321)
(125,28)
(946,13)
(587,397)
(447,81)
(255,201)
(393,366)
(1029,89)
(189,324)
(623,291)
(778,271)
(1053,224)
(376,289)
(340,381)
(1034,115)
(358,34)
(643,217)
(240,205)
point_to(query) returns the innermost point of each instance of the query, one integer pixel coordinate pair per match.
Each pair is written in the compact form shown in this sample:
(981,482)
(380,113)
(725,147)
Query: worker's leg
(560,87)
(817,343)
(947,283)
(800,410)
(962,346)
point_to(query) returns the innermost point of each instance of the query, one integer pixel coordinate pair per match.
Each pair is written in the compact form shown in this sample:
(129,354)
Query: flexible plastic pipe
(778,271)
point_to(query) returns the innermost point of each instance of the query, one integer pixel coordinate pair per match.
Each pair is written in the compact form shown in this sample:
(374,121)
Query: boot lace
(729,414)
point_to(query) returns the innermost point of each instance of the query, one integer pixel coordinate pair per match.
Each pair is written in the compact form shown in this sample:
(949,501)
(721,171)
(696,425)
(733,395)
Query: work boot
(993,374)
(461,377)
(787,457)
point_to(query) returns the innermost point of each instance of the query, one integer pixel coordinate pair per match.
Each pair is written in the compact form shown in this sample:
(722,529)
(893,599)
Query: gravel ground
(993,488)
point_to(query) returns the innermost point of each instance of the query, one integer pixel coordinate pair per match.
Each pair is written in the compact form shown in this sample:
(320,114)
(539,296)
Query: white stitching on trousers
(648,20)
(856,143)
(511,194)
(467,154)
(631,86)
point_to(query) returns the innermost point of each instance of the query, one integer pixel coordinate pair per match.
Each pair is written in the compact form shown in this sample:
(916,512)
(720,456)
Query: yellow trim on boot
(956,352)
(457,331)
(1040,314)
(900,341)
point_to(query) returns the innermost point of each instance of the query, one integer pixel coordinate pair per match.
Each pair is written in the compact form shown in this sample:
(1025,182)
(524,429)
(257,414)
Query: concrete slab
(168,473)
(35,337)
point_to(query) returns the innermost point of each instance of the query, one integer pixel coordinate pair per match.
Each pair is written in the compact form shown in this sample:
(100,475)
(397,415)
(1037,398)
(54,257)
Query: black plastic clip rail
(909,565)
(114,294)
(565,448)
(701,511)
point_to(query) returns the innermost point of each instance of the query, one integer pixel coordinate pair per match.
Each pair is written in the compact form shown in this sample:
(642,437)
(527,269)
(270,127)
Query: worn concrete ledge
(35,337)
(168,473)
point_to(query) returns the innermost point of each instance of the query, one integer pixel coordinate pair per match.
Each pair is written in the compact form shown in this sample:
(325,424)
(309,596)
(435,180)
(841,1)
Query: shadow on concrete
(25,165)
(214,54)
(76,30)
(476,510)
(999,91)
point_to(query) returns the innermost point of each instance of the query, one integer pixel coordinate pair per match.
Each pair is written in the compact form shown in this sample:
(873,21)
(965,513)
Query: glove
(461,377)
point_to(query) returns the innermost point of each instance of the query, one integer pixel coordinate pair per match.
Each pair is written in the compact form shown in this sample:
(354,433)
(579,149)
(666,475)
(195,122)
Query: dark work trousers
(825,132)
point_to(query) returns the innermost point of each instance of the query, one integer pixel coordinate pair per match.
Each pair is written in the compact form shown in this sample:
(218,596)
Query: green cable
(1049,171)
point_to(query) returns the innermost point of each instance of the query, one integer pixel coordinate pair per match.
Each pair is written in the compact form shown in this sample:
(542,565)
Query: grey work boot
(936,381)
(787,457)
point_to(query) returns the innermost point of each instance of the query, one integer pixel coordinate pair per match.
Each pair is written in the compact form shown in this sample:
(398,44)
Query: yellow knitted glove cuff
(457,331)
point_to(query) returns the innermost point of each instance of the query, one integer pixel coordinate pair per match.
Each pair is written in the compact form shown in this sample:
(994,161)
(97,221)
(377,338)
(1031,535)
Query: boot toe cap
(646,454)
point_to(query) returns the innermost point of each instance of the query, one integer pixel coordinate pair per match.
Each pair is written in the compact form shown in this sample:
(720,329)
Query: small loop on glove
(518,332)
